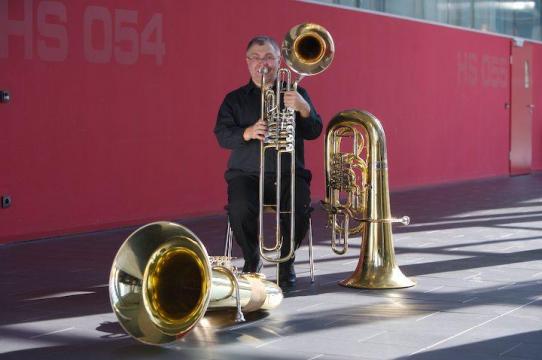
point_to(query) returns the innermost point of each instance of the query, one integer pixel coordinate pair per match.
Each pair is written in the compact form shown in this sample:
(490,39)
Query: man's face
(259,56)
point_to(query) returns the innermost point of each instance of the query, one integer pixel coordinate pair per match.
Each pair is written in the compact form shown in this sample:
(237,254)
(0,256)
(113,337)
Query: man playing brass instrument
(239,127)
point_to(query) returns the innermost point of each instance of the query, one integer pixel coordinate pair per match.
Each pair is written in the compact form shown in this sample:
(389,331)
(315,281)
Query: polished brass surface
(357,199)
(307,49)
(162,282)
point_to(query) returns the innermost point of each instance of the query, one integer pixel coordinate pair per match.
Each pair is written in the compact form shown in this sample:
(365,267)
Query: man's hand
(293,100)
(255,131)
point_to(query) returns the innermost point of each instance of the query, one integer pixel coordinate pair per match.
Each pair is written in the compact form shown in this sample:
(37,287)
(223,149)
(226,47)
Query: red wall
(100,134)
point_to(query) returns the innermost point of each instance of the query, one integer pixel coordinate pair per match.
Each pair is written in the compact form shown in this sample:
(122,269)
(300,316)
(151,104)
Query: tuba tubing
(162,283)
(367,199)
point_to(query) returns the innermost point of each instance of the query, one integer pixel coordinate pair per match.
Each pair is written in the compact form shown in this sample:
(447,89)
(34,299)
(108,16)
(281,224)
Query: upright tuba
(162,282)
(307,49)
(357,199)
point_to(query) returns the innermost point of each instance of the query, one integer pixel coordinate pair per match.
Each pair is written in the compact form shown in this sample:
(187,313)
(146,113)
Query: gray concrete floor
(474,250)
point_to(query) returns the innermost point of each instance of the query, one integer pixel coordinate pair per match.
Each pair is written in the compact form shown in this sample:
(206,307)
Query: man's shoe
(287,278)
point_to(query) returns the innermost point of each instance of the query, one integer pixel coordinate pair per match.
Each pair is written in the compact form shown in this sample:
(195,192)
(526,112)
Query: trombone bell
(308,49)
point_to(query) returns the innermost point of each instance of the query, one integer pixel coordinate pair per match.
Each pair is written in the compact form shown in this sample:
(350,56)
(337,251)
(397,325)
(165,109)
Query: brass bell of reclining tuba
(357,199)
(162,283)
(307,49)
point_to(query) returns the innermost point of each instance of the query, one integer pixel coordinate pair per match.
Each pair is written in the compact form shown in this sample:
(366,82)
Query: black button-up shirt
(239,110)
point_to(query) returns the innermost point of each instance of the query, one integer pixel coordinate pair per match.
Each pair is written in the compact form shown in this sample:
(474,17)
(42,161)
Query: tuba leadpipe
(163,282)
(307,49)
(357,191)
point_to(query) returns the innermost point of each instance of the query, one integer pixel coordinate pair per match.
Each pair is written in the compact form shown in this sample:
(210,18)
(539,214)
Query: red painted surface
(100,133)
(521,149)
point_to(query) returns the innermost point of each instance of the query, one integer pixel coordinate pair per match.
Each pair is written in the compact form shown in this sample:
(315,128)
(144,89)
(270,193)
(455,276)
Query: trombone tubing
(279,118)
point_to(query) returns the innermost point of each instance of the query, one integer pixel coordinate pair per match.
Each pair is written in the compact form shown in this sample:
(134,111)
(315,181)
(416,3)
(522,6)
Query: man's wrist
(305,112)
(246,135)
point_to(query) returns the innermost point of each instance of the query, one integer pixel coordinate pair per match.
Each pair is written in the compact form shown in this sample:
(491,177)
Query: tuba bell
(307,49)
(162,282)
(357,199)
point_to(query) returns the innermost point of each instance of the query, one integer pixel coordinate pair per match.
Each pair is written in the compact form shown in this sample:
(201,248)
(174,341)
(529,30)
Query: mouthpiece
(263,70)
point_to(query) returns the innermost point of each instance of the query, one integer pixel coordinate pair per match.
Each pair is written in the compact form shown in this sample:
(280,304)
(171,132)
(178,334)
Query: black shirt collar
(250,87)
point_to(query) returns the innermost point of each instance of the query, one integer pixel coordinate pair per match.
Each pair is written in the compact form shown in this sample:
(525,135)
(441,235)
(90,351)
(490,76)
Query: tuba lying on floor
(357,199)
(162,282)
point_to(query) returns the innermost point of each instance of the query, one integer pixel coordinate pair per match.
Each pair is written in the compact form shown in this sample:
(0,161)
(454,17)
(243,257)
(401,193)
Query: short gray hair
(261,40)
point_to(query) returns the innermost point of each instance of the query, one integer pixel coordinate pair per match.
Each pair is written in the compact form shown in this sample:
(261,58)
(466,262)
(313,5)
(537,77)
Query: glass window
(460,13)
(408,8)
(511,17)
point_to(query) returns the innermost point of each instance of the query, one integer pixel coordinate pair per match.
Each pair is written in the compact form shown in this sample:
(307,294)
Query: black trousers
(243,211)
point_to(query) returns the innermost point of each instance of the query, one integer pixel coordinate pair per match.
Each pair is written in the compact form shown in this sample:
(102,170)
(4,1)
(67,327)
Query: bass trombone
(360,176)
(307,49)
